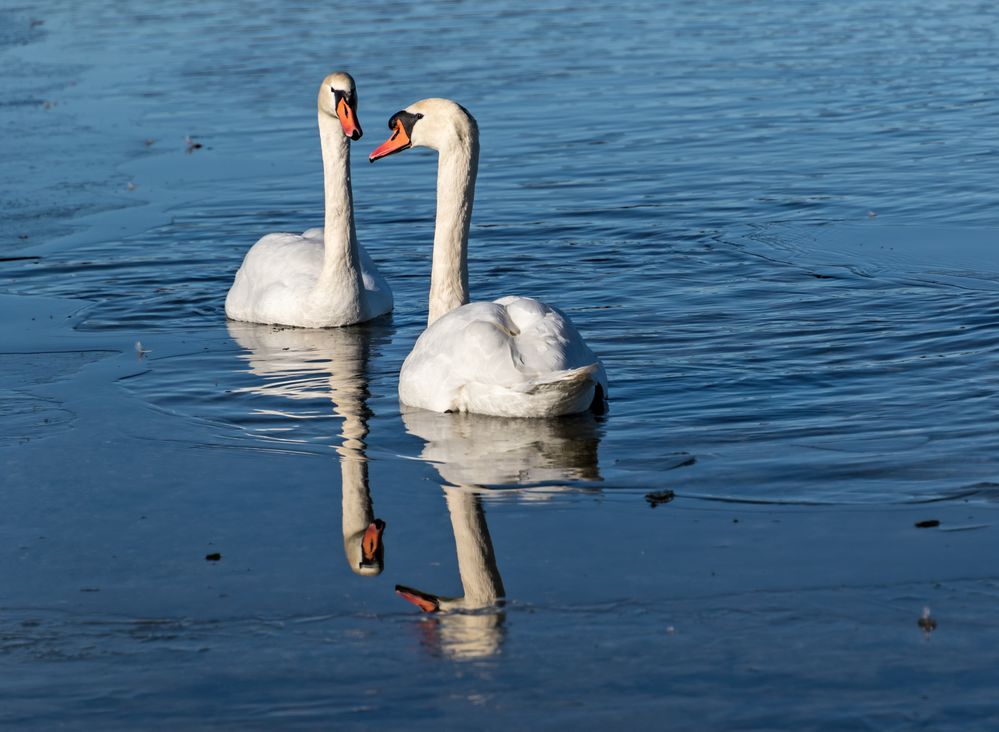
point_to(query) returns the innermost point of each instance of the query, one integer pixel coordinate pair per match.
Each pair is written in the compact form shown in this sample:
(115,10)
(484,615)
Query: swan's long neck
(480,577)
(341,260)
(456,170)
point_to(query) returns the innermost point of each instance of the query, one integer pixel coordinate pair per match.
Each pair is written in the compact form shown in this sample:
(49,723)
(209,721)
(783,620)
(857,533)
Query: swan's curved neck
(339,236)
(456,170)
(480,577)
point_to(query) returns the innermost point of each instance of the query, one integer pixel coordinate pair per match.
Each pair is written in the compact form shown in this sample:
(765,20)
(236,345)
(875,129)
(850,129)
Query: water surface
(773,223)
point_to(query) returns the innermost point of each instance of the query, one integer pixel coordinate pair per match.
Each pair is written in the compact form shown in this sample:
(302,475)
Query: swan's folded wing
(514,357)
(469,344)
(275,267)
(547,341)
(378,291)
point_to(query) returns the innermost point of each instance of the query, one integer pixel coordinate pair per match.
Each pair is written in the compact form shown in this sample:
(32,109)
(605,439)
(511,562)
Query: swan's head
(365,551)
(433,123)
(338,98)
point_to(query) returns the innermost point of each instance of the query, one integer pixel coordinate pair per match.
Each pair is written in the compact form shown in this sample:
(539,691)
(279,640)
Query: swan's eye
(347,94)
(408,119)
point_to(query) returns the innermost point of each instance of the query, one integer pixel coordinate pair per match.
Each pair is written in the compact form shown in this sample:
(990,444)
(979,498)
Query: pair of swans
(515,357)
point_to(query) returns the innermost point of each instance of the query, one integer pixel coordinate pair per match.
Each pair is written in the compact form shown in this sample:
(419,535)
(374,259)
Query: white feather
(515,357)
(279,279)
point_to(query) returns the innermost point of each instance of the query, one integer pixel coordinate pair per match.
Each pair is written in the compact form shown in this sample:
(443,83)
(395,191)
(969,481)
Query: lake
(776,225)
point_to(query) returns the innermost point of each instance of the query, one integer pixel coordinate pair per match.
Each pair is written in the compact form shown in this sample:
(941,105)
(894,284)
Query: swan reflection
(295,363)
(474,453)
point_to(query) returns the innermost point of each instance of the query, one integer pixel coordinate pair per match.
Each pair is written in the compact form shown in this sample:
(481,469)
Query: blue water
(773,222)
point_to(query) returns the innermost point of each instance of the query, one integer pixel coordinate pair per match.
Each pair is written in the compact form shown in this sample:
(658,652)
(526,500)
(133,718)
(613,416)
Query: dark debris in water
(659,497)
(927,622)
(213,557)
(928,524)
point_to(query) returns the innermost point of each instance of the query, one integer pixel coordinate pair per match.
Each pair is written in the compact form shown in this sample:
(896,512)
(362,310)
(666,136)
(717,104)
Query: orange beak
(425,601)
(372,539)
(397,142)
(348,120)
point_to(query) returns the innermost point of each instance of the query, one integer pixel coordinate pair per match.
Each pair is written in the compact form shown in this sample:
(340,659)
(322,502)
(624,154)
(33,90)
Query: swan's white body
(515,357)
(283,281)
(321,278)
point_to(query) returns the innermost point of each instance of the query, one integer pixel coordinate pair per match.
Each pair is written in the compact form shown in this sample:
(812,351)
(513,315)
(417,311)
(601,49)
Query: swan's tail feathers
(563,392)
(561,380)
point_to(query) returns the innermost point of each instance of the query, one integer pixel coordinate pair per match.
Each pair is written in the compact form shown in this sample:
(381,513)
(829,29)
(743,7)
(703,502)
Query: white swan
(306,364)
(515,357)
(322,278)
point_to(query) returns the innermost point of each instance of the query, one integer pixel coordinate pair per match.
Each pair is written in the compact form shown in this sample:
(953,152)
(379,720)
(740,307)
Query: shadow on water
(294,363)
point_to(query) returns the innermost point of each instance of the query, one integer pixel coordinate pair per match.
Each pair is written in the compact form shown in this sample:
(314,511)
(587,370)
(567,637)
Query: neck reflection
(476,455)
(297,363)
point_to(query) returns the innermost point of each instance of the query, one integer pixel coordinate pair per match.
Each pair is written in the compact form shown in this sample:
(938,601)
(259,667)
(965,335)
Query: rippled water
(773,222)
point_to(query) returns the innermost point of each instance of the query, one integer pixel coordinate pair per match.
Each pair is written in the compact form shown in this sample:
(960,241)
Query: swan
(321,278)
(333,363)
(514,357)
